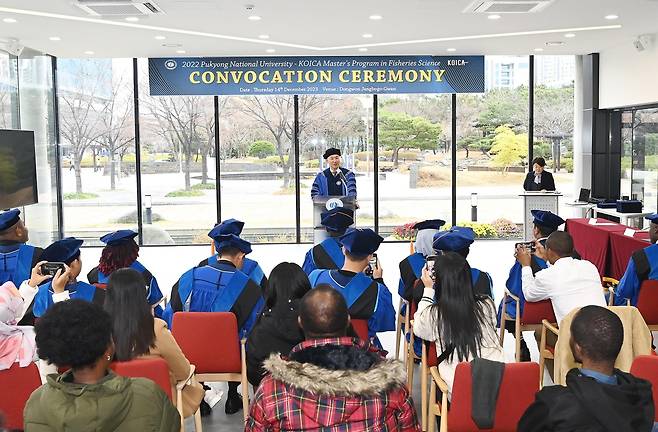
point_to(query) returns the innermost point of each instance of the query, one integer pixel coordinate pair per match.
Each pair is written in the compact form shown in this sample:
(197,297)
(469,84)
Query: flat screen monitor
(18,170)
(584,195)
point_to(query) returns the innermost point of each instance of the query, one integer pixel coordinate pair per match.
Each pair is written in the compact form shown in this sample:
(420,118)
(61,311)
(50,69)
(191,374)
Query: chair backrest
(155,369)
(646,367)
(209,340)
(647,301)
(517,392)
(99,285)
(361,328)
(535,312)
(432,356)
(17,384)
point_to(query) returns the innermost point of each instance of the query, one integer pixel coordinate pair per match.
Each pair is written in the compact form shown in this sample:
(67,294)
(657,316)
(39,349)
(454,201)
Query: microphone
(343,179)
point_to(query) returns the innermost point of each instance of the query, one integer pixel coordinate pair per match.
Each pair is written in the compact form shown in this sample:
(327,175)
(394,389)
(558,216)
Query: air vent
(114,8)
(507,6)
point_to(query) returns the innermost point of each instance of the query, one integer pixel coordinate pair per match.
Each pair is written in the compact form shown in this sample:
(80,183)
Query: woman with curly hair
(121,251)
(89,395)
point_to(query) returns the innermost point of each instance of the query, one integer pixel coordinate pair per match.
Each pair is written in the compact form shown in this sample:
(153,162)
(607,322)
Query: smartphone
(50,268)
(373,262)
(429,264)
(527,245)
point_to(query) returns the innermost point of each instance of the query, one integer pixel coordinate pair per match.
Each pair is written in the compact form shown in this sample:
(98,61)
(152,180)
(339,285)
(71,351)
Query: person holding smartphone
(367,297)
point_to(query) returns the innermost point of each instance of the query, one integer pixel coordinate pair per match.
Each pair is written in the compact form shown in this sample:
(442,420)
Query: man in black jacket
(539,179)
(597,397)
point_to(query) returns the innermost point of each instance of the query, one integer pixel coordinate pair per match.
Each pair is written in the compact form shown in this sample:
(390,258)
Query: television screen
(18,171)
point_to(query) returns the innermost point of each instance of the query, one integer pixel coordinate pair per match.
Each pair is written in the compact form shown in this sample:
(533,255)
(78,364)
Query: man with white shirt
(334,181)
(569,283)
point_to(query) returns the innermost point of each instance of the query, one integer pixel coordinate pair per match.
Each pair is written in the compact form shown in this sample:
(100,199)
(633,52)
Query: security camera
(643,42)
(14,47)
(249,7)
(639,46)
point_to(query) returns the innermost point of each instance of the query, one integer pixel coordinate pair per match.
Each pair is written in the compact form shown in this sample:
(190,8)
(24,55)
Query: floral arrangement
(405,232)
(505,228)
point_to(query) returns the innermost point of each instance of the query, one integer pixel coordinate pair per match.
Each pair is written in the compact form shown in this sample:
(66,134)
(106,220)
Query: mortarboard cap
(116,237)
(455,239)
(232,240)
(653,218)
(229,226)
(9,218)
(547,219)
(361,241)
(65,250)
(430,224)
(337,219)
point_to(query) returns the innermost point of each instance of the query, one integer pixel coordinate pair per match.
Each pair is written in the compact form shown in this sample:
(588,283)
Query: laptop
(583,197)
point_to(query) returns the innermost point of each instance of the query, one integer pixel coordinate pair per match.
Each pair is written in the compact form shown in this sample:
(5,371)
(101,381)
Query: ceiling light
(254,18)
(367,35)
(160,37)
(451,49)
(170,45)
(9,20)
(375,17)
(363,49)
(270,50)
(132,19)
(89,52)
(554,43)
(539,49)
(493,16)
(180,51)
(611,17)
(263,36)
(55,38)
(570,35)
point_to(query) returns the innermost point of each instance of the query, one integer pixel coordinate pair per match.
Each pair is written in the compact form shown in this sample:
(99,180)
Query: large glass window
(97,136)
(492,147)
(644,163)
(8,92)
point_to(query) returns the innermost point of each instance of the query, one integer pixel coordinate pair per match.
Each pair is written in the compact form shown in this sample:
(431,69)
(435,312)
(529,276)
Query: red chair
(17,384)
(646,367)
(531,318)
(155,369)
(360,326)
(647,303)
(517,392)
(210,342)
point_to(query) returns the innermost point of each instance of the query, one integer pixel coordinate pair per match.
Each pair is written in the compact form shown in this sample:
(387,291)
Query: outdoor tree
(401,131)
(262,149)
(508,147)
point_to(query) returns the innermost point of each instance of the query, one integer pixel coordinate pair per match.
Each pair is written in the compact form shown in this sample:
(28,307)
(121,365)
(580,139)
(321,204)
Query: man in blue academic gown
(221,287)
(121,251)
(367,297)
(329,253)
(334,181)
(545,223)
(411,268)
(459,239)
(249,267)
(64,284)
(642,266)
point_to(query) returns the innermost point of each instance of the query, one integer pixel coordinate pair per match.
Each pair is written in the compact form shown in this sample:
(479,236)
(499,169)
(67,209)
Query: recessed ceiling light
(539,49)
(254,18)
(9,20)
(170,45)
(263,36)
(367,35)
(493,16)
(180,51)
(89,52)
(451,49)
(54,38)
(132,19)
(570,35)
(363,49)
(375,17)
(554,43)
(270,50)
(160,37)
(611,17)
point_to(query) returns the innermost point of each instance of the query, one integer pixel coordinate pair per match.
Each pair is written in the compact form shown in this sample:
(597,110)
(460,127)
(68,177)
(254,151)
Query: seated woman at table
(642,266)
(539,179)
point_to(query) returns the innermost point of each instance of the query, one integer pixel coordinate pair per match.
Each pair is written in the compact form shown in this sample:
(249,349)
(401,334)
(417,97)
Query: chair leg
(245,384)
(410,363)
(517,333)
(542,359)
(197,421)
(502,328)
(432,407)
(423,388)
(179,407)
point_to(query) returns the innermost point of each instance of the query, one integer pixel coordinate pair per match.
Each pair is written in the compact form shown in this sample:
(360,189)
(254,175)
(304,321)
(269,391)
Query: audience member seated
(221,287)
(461,322)
(16,342)
(569,283)
(276,330)
(597,397)
(544,224)
(367,297)
(64,284)
(642,266)
(137,333)
(459,239)
(90,396)
(17,259)
(411,268)
(331,382)
(249,267)
(328,254)
(121,252)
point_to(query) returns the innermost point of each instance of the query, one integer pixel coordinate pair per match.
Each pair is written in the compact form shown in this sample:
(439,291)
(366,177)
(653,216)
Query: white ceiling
(314,27)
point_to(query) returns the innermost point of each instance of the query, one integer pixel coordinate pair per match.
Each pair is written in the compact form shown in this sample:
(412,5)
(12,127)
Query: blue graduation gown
(411,269)
(366,298)
(514,286)
(80,290)
(643,265)
(321,184)
(16,262)
(326,255)
(217,288)
(249,267)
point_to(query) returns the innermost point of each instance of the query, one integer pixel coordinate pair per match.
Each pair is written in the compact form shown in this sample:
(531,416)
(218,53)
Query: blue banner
(315,75)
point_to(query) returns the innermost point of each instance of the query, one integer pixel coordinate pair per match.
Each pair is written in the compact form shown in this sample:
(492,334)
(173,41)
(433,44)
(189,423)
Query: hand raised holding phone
(61,279)
(37,277)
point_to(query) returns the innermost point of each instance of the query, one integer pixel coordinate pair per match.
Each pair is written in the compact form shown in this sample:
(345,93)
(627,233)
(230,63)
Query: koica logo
(170,64)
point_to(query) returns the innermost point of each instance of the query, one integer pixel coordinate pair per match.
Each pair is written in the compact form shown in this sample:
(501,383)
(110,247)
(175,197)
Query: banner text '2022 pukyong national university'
(256,76)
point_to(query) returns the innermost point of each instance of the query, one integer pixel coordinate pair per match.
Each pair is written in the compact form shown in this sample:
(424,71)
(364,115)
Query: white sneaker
(212,397)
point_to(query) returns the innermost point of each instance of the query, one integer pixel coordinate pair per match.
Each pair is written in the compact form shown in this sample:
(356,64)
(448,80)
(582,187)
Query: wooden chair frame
(424,374)
(435,408)
(544,352)
(401,332)
(179,402)
(519,328)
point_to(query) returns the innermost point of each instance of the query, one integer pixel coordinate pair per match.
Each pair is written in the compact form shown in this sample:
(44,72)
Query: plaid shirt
(280,406)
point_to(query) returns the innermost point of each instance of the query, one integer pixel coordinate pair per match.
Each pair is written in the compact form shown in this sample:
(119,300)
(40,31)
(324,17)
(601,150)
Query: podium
(322,204)
(548,201)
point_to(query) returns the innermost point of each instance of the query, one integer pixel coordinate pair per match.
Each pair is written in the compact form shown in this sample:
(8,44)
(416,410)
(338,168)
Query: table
(624,218)
(621,249)
(593,241)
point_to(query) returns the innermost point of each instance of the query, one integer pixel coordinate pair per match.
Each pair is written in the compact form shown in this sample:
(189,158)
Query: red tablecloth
(621,249)
(593,241)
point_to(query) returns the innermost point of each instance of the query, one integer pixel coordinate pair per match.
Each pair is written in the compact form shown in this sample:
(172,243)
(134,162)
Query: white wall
(628,77)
